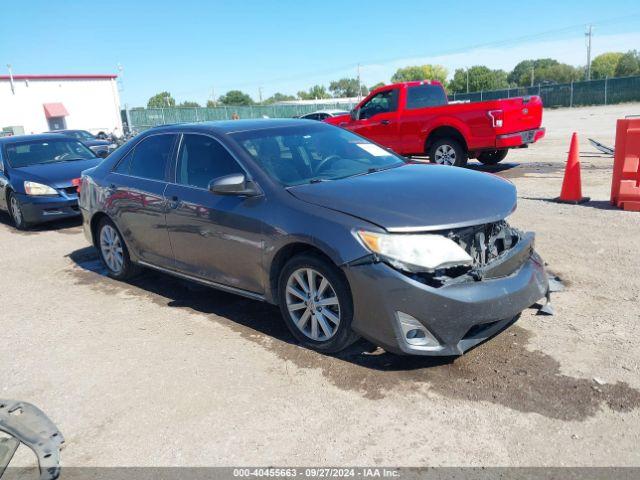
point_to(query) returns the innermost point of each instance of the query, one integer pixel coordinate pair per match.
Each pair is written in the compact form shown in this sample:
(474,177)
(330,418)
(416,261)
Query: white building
(39,103)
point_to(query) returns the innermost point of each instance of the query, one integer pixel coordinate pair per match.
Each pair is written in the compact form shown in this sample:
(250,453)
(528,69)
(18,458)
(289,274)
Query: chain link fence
(594,92)
(143,118)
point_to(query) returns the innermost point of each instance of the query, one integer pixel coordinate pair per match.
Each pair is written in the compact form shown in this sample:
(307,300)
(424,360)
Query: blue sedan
(39,177)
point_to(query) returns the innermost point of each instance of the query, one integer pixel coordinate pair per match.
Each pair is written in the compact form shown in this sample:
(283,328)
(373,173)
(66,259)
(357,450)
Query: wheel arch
(445,131)
(280,259)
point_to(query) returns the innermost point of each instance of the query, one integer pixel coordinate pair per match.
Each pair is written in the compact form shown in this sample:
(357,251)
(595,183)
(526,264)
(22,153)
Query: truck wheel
(492,157)
(315,301)
(447,151)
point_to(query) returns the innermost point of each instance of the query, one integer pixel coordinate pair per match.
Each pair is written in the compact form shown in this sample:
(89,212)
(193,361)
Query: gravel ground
(161,372)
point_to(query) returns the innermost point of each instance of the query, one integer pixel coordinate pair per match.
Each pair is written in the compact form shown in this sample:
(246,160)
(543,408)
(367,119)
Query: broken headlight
(415,252)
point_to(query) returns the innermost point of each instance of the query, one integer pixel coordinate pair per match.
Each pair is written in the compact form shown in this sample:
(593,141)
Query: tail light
(497,118)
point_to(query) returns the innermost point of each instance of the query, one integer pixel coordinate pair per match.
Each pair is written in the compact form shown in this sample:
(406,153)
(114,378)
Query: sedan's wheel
(113,251)
(446,151)
(316,303)
(313,304)
(15,209)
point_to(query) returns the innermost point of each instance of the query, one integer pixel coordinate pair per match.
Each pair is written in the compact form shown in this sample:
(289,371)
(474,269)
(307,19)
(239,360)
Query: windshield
(306,154)
(24,154)
(80,134)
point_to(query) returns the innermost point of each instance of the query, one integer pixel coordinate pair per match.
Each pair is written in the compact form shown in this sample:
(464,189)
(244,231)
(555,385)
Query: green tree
(236,97)
(629,64)
(278,97)
(161,100)
(521,73)
(187,103)
(604,65)
(317,92)
(480,78)
(378,85)
(420,72)
(211,104)
(347,87)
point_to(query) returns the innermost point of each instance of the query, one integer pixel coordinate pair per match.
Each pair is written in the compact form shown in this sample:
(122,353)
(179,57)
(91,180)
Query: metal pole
(571,98)
(467,80)
(13,91)
(359,87)
(589,34)
(533,75)
(606,80)
(480,95)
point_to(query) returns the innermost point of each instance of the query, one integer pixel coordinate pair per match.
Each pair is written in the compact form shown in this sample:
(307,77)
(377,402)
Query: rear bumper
(459,316)
(517,139)
(46,209)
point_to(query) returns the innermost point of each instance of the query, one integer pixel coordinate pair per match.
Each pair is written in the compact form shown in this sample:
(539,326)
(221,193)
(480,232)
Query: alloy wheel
(445,155)
(16,212)
(313,304)
(111,248)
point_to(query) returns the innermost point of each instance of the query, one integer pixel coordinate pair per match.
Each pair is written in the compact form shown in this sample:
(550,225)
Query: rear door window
(423,96)
(202,159)
(149,158)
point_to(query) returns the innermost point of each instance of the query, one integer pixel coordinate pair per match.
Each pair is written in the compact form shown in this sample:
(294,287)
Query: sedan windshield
(24,154)
(310,153)
(80,135)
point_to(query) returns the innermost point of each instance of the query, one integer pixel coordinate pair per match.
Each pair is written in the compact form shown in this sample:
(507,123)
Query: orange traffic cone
(572,184)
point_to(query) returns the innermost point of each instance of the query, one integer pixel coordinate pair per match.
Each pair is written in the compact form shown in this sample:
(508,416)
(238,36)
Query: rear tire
(447,151)
(492,157)
(113,251)
(318,313)
(15,212)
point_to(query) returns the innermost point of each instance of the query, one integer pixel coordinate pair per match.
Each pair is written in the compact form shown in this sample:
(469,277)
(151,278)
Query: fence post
(539,90)
(454,96)
(571,97)
(606,79)
(164,121)
(480,95)
(197,114)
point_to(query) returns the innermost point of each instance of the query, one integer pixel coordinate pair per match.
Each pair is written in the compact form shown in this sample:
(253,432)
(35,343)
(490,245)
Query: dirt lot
(161,372)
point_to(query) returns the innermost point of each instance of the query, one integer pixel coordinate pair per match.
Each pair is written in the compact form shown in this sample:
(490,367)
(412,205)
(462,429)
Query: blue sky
(190,47)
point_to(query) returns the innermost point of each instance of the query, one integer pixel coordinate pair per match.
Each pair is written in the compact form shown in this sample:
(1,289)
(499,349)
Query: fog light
(416,334)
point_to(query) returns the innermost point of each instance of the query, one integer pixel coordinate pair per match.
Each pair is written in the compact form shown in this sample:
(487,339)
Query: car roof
(33,137)
(233,126)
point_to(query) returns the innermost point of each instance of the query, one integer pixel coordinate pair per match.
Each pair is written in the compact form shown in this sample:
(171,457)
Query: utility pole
(13,90)
(533,75)
(359,85)
(589,35)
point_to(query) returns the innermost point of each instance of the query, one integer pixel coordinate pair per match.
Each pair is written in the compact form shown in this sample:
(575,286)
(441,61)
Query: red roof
(61,77)
(54,110)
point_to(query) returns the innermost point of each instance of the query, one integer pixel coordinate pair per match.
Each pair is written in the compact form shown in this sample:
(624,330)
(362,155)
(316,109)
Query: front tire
(113,252)
(447,151)
(15,212)
(316,303)
(492,157)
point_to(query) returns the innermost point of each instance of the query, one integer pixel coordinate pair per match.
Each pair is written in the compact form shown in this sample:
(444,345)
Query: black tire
(461,156)
(492,157)
(18,219)
(129,269)
(343,335)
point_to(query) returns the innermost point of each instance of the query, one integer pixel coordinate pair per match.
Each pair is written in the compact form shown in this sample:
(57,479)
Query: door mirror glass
(102,153)
(355,114)
(234,184)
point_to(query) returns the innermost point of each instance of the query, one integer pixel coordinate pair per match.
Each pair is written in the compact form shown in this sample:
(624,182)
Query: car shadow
(56,225)
(502,371)
(597,204)
(256,316)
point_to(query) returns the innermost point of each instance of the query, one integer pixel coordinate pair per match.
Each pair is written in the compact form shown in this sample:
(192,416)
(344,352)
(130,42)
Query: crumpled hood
(56,175)
(416,197)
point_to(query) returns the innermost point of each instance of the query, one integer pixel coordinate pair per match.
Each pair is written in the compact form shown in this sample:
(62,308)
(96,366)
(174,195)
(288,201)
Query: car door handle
(384,122)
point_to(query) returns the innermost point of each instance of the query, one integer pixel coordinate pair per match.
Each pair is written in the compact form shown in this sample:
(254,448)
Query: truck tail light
(497,118)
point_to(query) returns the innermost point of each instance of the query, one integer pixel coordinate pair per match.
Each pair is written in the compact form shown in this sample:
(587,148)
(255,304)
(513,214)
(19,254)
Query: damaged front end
(497,250)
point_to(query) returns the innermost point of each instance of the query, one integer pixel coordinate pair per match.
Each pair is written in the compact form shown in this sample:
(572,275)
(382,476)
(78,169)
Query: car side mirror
(355,114)
(102,153)
(234,184)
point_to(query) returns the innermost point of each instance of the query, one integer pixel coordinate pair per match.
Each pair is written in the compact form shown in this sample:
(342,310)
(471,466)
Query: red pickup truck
(415,118)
